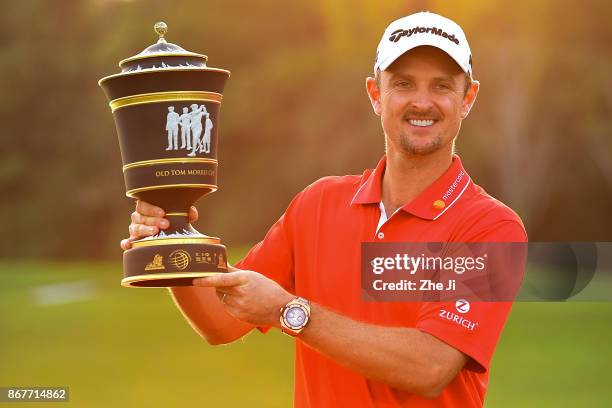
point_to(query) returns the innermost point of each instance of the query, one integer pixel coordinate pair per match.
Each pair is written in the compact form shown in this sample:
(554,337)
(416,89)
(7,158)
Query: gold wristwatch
(294,316)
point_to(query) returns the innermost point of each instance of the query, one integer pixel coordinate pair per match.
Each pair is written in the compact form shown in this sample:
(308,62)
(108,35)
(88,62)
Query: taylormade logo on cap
(420,29)
(397,34)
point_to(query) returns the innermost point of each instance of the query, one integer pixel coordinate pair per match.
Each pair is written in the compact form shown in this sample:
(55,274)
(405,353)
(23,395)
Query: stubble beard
(409,147)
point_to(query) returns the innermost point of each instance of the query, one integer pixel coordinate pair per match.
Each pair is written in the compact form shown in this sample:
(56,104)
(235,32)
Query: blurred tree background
(295,109)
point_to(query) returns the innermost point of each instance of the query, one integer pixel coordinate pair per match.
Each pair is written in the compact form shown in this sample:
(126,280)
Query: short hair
(468,80)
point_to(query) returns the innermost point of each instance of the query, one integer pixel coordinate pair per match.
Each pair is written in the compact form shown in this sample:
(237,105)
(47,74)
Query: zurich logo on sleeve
(462,306)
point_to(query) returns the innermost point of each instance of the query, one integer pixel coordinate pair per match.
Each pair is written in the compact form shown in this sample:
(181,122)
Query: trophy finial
(161,29)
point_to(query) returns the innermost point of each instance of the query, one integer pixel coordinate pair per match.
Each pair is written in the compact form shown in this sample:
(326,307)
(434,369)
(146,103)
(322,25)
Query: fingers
(222,280)
(137,231)
(138,218)
(140,230)
(126,244)
(147,209)
(193,214)
(146,220)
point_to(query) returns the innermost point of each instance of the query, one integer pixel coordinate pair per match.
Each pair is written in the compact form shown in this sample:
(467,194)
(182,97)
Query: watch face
(295,317)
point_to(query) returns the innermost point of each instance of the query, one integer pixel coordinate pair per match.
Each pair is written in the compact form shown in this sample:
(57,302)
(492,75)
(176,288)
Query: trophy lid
(162,55)
(163,67)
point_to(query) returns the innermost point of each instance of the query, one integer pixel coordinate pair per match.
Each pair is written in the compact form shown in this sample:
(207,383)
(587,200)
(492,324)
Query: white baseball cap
(423,28)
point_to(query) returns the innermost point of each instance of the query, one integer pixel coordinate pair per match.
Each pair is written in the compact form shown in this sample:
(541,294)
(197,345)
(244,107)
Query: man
(351,353)
(205,148)
(172,121)
(185,122)
(196,127)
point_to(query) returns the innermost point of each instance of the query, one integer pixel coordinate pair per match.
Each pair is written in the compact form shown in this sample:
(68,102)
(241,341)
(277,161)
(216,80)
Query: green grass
(131,348)
(554,355)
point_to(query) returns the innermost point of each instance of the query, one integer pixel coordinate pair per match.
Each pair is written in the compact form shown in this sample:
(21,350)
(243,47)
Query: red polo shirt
(313,251)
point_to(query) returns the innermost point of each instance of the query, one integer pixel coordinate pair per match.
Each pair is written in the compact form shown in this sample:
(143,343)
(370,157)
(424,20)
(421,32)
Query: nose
(421,99)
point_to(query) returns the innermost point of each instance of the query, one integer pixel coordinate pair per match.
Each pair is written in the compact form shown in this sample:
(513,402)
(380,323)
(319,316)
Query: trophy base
(169,262)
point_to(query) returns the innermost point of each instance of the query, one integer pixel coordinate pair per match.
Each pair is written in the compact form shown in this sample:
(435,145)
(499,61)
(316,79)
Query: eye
(403,84)
(442,86)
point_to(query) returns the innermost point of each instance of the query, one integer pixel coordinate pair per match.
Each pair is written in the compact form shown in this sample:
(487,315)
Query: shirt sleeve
(273,256)
(473,329)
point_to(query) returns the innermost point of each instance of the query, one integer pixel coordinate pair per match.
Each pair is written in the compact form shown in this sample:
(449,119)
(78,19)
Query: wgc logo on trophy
(165,102)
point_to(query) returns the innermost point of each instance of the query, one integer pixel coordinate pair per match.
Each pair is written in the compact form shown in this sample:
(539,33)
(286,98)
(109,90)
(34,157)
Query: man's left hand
(249,296)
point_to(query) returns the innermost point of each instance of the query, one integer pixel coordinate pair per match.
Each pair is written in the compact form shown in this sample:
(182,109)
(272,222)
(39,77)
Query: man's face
(421,101)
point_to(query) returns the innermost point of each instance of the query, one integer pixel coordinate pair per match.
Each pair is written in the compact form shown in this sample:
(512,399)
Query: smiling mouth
(422,122)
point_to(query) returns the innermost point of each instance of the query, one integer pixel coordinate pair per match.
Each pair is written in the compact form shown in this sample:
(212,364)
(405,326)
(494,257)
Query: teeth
(428,122)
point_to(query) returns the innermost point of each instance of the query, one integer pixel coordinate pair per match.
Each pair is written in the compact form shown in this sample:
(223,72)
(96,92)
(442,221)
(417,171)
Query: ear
(374,95)
(469,99)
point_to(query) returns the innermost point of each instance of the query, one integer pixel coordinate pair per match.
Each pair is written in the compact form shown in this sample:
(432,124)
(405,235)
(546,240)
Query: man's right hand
(148,220)
(212,322)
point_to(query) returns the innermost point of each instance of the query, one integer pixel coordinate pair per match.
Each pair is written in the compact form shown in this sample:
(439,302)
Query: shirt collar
(431,203)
